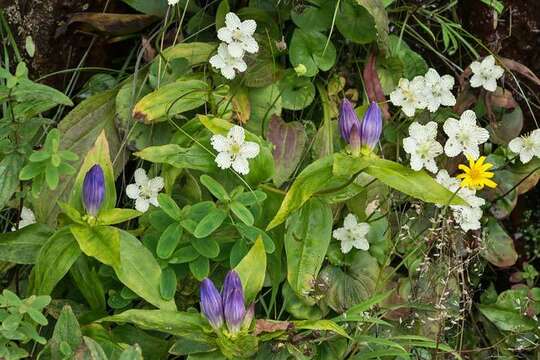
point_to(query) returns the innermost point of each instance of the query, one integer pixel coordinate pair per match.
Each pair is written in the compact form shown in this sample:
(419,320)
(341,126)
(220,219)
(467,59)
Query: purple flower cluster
(227,306)
(360,134)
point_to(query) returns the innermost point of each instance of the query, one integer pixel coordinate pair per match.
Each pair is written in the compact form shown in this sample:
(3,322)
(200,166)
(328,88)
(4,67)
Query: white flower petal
(142,204)
(236,134)
(235,49)
(452,148)
(140,177)
(361,244)
(490,85)
(232,21)
(156,184)
(350,221)
(250,45)
(451,127)
(416,162)
(133,191)
(241,165)
(346,246)
(225,34)
(340,234)
(220,143)
(249,150)
(240,65)
(228,72)
(476,81)
(248,27)
(224,160)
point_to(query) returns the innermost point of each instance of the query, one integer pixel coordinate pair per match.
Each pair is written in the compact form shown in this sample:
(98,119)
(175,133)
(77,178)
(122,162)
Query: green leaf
(207,247)
(195,52)
(184,255)
(27,91)
(31,170)
(169,240)
(195,157)
(66,338)
(186,324)
(62,250)
(297,92)
(200,268)
(71,212)
(498,246)
(355,23)
(328,325)
(183,346)
(23,246)
(116,216)
(167,285)
(140,272)
(377,10)
(131,353)
(312,179)
(99,154)
(222,10)
(310,50)
(10,166)
(314,18)
(89,284)
(417,184)
(169,206)
(308,235)
(210,223)
(252,270)
(100,242)
(242,213)
(171,99)
(155,7)
(214,187)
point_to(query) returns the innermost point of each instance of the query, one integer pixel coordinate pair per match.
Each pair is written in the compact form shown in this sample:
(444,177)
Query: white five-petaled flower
(464,136)
(438,90)
(527,146)
(352,234)
(238,35)
(173,2)
(409,95)
(422,146)
(145,190)
(227,63)
(468,217)
(27,218)
(486,73)
(234,151)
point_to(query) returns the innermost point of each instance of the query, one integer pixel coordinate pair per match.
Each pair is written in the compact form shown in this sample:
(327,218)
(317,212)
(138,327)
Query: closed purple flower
(347,120)
(93,192)
(371,128)
(211,303)
(232,281)
(234,310)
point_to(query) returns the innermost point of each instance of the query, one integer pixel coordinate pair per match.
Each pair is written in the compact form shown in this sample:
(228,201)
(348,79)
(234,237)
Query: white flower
(173,2)
(227,63)
(422,146)
(27,218)
(527,146)
(234,151)
(486,73)
(438,90)
(409,95)
(464,136)
(238,35)
(352,234)
(144,191)
(468,217)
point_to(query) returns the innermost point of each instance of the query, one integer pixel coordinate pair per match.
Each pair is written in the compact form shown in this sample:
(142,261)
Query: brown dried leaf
(269,326)
(111,24)
(521,69)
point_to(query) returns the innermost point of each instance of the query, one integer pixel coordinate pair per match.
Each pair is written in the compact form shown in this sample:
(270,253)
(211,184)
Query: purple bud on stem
(211,303)
(371,126)
(93,192)
(234,310)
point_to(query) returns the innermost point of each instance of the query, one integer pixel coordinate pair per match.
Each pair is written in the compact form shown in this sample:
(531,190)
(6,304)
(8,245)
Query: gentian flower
(211,303)
(93,192)
(229,306)
(358,134)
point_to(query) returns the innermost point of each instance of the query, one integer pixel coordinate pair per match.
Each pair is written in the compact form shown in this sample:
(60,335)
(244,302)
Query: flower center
(464,138)
(235,149)
(145,192)
(237,35)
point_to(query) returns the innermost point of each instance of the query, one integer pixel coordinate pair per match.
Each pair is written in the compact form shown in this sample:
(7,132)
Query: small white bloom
(527,146)
(144,191)
(352,234)
(486,73)
(464,136)
(409,95)
(468,217)
(227,63)
(238,35)
(438,90)
(422,146)
(173,2)
(234,151)
(27,218)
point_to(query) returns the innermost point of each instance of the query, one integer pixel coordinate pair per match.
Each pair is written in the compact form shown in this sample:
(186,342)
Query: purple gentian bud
(211,304)
(248,318)
(232,281)
(234,310)
(371,128)
(347,120)
(93,192)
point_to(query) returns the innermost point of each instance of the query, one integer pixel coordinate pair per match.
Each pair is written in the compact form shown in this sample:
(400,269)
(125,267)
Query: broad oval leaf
(313,50)
(23,246)
(252,270)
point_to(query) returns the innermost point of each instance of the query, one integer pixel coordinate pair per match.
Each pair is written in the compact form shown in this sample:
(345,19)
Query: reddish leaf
(373,85)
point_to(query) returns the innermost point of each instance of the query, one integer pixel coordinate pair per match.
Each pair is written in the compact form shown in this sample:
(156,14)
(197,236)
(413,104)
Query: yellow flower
(476,175)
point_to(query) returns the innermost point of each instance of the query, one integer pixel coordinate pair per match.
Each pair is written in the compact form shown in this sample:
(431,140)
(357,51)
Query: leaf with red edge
(374,88)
